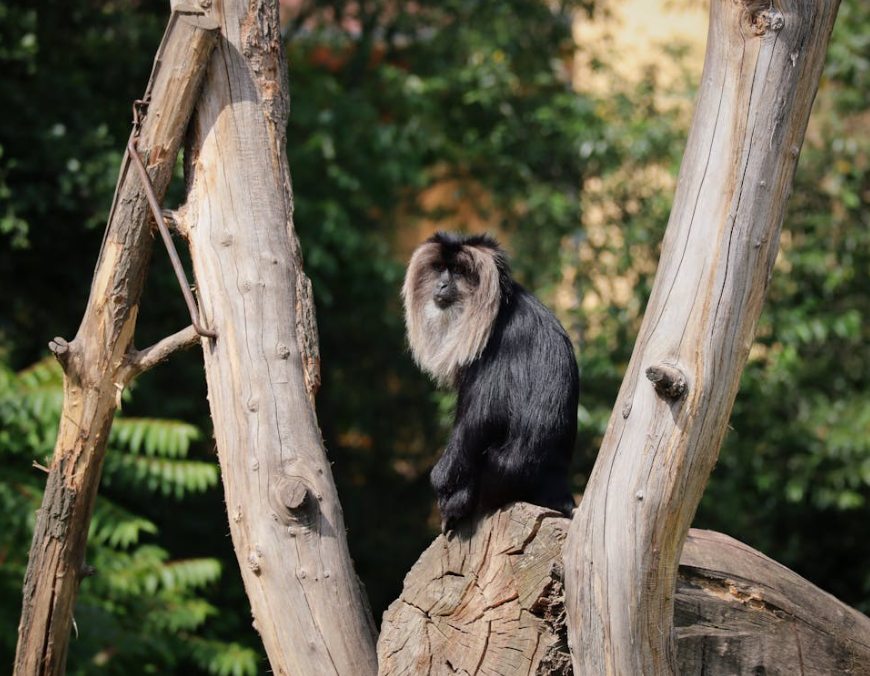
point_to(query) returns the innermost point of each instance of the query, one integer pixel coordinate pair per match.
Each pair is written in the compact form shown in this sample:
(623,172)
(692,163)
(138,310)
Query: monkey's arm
(456,476)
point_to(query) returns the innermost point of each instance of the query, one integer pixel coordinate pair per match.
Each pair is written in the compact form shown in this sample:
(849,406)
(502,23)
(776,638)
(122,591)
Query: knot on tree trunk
(68,354)
(296,502)
(761,16)
(669,381)
(767,20)
(488,599)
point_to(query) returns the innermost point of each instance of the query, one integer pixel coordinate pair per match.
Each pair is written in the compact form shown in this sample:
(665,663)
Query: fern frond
(45,372)
(189,573)
(156,436)
(129,573)
(166,476)
(40,389)
(116,526)
(181,615)
(148,570)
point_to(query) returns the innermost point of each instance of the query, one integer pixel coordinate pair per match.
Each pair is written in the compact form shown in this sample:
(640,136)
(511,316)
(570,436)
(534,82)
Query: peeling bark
(739,612)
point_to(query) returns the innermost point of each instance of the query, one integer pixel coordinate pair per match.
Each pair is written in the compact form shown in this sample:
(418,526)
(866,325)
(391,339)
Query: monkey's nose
(444,295)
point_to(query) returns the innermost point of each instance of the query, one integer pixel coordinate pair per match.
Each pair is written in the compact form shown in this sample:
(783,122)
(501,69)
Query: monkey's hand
(455,506)
(456,475)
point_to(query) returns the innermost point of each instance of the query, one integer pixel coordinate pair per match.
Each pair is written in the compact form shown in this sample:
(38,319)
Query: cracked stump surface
(485,600)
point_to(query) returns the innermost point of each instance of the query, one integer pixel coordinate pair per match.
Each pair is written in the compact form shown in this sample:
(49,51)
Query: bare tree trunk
(760,76)
(99,363)
(285,518)
(488,600)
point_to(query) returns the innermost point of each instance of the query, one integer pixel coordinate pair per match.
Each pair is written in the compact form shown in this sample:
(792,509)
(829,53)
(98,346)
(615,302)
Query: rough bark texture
(760,77)
(95,362)
(739,612)
(285,518)
(488,601)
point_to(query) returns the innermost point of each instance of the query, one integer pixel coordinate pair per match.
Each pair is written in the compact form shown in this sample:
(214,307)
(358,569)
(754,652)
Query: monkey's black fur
(516,412)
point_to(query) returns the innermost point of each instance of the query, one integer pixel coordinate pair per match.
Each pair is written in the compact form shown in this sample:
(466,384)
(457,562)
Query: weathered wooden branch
(95,362)
(139,361)
(760,76)
(488,600)
(285,518)
(739,612)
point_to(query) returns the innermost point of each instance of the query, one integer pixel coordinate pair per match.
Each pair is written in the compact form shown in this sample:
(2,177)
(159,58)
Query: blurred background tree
(405,118)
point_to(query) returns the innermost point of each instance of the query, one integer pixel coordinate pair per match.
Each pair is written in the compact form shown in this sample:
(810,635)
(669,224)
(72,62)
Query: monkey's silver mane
(444,341)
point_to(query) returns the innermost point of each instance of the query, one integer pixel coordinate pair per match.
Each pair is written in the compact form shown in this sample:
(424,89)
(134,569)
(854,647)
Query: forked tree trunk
(285,518)
(99,363)
(761,72)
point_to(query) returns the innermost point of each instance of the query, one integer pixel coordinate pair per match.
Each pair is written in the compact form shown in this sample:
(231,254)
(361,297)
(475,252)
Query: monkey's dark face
(452,281)
(452,294)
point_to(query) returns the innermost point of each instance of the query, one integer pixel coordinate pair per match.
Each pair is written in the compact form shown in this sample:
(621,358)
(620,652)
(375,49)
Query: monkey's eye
(439,266)
(460,270)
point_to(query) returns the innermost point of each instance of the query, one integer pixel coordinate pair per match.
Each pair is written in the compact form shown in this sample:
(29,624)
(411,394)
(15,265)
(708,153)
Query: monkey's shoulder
(526,321)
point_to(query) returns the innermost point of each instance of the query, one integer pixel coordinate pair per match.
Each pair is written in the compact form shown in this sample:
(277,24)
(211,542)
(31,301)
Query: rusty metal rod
(167,237)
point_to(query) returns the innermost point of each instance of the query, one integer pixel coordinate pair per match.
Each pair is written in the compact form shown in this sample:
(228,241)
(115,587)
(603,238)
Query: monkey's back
(525,386)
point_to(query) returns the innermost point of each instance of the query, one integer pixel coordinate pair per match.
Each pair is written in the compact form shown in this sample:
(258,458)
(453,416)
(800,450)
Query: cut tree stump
(485,600)
(488,600)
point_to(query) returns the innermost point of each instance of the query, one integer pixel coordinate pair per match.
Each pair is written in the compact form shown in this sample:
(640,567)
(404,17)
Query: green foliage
(67,85)
(224,659)
(169,438)
(143,611)
(162,468)
(18,47)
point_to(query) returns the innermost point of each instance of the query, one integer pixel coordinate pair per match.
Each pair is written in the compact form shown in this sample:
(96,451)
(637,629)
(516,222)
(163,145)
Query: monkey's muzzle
(445,295)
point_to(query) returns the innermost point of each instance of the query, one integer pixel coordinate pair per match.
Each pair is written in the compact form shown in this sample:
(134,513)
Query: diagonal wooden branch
(762,68)
(95,362)
(166,236)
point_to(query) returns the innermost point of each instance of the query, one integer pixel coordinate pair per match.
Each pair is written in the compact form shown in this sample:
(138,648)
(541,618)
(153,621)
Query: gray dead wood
(488,600)
(285,518)
(739,612)
(96,366)
(760,76)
